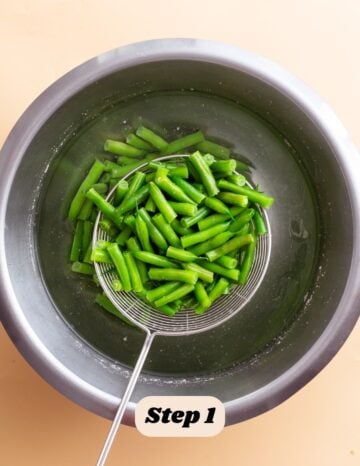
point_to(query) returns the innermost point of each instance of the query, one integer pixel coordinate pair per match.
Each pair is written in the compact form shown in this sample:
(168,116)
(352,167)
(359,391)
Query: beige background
(318,40)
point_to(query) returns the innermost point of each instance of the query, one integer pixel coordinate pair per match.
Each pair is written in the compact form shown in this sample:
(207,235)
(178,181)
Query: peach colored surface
(318,40)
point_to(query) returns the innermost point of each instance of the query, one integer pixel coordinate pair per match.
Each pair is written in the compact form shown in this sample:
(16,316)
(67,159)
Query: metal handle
(128,392)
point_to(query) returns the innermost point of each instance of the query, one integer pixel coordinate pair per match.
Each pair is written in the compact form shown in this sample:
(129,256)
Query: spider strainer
(185,322)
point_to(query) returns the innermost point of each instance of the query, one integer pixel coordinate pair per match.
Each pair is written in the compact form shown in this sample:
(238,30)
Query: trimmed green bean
(174,295)
(180,229)
(154,259)
(201,295)
(116,285)
(224,166)
(170,274)
(242,220)
(209,159)
(173,169)
(212,243)
(134,274)
(155,235)
(204,173)
(150,205)
(119,171)
(190,221)
(234,199)
(203,274)
(204,235)
(75,251)
(109,227)
(184,208)
(192,172)
(124,236)
(227,262)
(217,150)
(121,148)
(137,199)
(180,254)
(87,255)
(80,267)
(152,138)
(120,192)
(174,147)
(221,287)
(259,222)
(162,180)
(221,175)
(120,265)
(242,166)
(161,203)
(233,274)
(188,189)
(137,180)
(101,188)
(247,262)
(130,221)
(234,243)
(91,178)
(142,233)
(134,246)
(251,194)
(86,237)
(239,180)
(162,290)
(85,210)
(218,206)
(167,230)
(100,255)
(215,219)
(106,208)
(137,142)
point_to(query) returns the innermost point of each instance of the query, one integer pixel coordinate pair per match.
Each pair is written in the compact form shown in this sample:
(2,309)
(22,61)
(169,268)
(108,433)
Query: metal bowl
(309,299)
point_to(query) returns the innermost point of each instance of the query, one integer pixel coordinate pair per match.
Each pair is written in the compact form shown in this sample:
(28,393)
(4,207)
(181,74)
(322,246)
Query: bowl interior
(292,161)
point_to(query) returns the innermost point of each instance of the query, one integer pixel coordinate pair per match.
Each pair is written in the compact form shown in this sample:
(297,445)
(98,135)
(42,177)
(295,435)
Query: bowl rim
(15,146)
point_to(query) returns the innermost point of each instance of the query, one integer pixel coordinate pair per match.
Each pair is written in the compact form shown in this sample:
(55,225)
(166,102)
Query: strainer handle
(128,392)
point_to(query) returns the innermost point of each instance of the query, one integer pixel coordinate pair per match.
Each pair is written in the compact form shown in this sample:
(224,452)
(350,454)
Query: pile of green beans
(180,234)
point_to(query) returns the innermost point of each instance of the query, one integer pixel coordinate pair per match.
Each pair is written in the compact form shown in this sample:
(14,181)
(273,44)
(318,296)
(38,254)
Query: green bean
(118,171)
(251,194)
(170,187)
(200,187)
(120,192)
(233,274)
(208,159)
(130,221)
(137,199)
(180,229)
(142,233)
(184,208)
(96,280)
(221,287)
(180,254)
(227,262)
(84,269)
(120,265)
(102,244)
(224,166)
(244,230)
(188,189)
(150,205)
(234,243)
(103,301)
(86,236)
(154,139)
(174,295)
(242,166)
(204,235)
(242,220)
(137,142)
(192,172)
(217,150)
(155,235)
(150,177)
(204,173)
(173,169)
(212,243)
(162,290)
(75,251)
(133,246)
(202,296)
(203,274)
(121,148)
(85,210)
(247,262)
(136,182)
(239,180)
(161,203)
(190,221)
(166,230)
(106,208)
(135,279)
(105,177)
(91,178)
(259,222)
(109,227)
(215,219)
(154,259)
(100,255)
(124,236)
(116,285)
(101,188)
(218,206)
(87,255)
(221,175)
(234,199)
(170,274)
(179,144)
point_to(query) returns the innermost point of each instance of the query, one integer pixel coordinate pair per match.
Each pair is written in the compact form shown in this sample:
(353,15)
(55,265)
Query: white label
(180,416)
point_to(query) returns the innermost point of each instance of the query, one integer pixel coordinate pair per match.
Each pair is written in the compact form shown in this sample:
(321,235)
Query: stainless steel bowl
(309,299)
